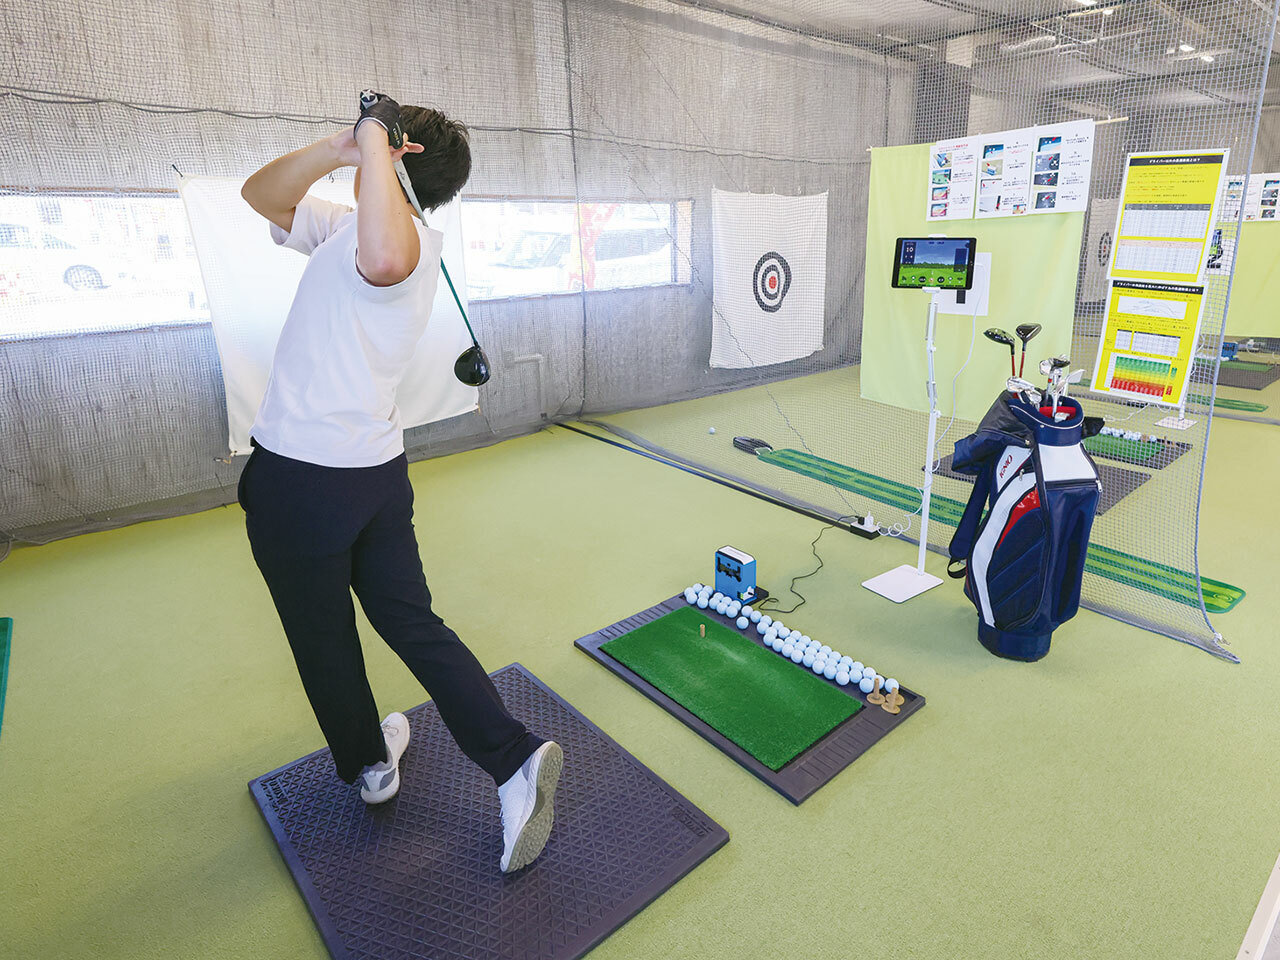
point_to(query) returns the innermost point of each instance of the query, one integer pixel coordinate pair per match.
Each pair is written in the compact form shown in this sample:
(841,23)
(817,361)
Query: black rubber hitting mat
(812,768)
(1247,374)
(1116,483)
(418,877)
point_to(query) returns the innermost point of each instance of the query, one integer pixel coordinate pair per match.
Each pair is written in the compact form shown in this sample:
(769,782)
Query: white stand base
(1176,423)
(902,583)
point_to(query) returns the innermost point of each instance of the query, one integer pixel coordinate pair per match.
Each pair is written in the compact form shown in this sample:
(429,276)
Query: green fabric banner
(1035,260)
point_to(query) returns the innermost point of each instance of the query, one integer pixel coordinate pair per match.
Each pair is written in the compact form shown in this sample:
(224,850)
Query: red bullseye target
(770,281)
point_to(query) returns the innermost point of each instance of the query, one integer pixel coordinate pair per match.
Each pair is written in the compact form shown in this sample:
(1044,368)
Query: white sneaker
(528,807)
(380,782)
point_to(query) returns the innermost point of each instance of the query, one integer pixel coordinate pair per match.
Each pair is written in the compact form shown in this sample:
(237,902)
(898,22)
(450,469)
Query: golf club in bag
(1023,560)
(472,366)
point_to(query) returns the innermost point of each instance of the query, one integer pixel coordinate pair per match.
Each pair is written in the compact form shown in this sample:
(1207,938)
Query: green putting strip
(1141,451)
(6,638)
(1226,403)
(1250,366)
(772,708)
(1147,575)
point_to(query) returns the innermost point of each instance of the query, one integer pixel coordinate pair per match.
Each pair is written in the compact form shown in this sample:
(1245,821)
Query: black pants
(318,533)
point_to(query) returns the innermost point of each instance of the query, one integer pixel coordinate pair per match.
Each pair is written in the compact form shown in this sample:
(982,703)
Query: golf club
(1026,333)
(1025,387)
(996,335)
(472,366)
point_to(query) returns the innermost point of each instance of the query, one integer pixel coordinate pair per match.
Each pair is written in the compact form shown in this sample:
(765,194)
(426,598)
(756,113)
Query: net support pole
(902,583)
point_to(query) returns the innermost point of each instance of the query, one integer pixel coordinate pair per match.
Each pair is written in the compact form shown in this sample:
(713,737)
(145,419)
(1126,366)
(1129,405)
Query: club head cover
(472,366)
(383,111)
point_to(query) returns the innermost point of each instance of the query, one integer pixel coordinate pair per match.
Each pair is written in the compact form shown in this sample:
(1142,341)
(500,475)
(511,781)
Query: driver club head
(472,366)
(1026,332)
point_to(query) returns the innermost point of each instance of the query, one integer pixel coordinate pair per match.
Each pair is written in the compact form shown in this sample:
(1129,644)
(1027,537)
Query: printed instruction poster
(952,167)
(1232,199)
(1148,341)
(1042,169)
(1260,197)
(1167,215)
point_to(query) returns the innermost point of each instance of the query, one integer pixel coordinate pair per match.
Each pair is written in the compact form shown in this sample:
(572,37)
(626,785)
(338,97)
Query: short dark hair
(440,170)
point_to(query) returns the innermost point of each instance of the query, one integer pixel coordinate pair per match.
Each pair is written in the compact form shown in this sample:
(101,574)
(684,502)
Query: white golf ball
(742,623)
(846,661)
(755,616)
(717,597)
(855,669)
(697,588)
(787,648)
(807,659)
(830,672)
(702,603)
(865,684)
(782,631)
(711,429)
(766,620)
(879,681)
(891,685)
(806,640)
(796,656)
(690,596)
(747,611)
(761,628)
(868,672)
(777,643)
(819,665)
(825,648)
(735,607)
(770,634)
(842,678)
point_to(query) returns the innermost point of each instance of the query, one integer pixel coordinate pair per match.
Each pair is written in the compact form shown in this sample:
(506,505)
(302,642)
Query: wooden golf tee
(893,702)
(875,696)
(702,630)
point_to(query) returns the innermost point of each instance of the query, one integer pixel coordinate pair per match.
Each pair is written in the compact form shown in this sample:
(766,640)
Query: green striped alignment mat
(1147,575)
(1138,451)
(765,704)
(1226,403)
(6,638)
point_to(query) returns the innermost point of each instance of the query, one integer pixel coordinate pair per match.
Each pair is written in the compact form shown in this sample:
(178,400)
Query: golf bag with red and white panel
(1023,559)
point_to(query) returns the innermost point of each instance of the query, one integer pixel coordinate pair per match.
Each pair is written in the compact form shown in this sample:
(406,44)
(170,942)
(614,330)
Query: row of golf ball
(820,658)
(1128,434)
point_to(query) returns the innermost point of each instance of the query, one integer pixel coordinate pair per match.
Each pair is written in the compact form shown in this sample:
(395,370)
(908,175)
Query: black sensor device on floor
(934,262)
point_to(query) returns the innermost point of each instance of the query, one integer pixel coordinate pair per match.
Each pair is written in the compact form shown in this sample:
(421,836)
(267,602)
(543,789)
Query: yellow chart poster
(1148,342)
(1167,215)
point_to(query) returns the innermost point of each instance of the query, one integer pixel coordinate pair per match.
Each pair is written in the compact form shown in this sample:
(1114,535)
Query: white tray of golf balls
(800,649)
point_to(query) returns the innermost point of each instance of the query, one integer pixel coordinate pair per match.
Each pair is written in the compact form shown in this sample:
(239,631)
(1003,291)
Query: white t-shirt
(331,397)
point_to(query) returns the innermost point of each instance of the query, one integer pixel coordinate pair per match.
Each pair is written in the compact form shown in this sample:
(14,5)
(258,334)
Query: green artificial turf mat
(1226,403)
(1140,451)
(6,637)
(771,707)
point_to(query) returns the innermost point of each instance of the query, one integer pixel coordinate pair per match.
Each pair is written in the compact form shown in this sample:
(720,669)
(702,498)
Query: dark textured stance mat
(813,767)
(1116,483)
(1246,374)
(418,877)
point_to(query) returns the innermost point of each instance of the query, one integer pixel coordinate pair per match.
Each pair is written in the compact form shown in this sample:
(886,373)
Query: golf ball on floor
(796,656)
(697,588)
(742,623)
(830,671)
(806,640)
(842,678)
(777,643)
(782,631)
(747,611)
(717,596)
(866,684)
(755,616)
(690,596)
(766,620)
(868,672)
(761,628)
(807,659)
(711,429)
(891,685)
(787,649)
(855,669)
(825,648)
(702,603)
(819,666)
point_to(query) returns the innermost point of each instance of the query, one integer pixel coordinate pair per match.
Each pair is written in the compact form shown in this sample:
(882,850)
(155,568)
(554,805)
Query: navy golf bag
(1023,560)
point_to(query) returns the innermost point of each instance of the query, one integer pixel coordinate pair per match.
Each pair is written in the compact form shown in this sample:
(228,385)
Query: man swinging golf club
(326,491)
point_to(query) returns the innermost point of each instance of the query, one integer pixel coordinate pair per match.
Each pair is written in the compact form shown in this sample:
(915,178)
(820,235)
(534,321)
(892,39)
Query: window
(95,261)
(520,248)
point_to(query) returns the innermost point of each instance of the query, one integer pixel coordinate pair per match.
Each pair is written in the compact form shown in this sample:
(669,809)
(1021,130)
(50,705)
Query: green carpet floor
(1115,800)
(766,704)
